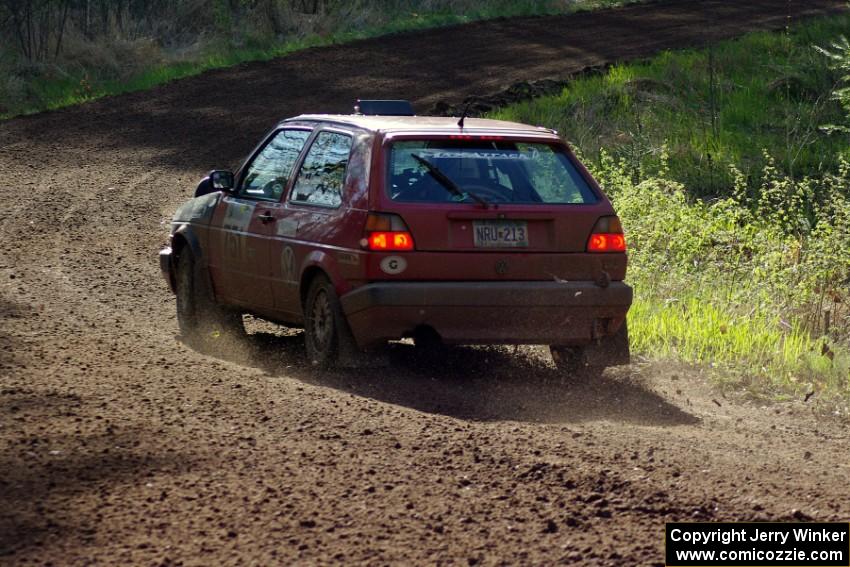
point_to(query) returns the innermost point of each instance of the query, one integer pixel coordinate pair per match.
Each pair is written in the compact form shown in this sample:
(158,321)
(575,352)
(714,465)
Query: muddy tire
(201,321)
(570,361)
(578,363)
(327,337)
(428,344)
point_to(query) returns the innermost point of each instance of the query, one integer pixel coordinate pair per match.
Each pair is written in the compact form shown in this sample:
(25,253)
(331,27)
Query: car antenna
(463,116)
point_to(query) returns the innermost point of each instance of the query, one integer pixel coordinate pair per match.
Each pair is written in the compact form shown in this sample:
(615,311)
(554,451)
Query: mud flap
(350,356)
(610,351)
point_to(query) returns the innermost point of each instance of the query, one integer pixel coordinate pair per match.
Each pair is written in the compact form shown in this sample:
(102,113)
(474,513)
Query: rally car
(383,225)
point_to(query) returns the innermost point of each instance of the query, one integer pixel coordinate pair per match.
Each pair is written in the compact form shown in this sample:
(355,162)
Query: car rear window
(445,171)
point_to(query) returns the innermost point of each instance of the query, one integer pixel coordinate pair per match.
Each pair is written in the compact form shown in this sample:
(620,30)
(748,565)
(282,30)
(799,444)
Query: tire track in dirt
(120,445)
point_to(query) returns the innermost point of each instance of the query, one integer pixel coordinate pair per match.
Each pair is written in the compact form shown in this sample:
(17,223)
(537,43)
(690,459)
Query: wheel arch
(307,278)
(178,245)
(319,262)
(184,239)
(179,242)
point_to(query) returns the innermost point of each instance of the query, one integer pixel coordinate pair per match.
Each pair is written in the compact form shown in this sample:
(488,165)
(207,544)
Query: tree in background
(58,52)
(37,25)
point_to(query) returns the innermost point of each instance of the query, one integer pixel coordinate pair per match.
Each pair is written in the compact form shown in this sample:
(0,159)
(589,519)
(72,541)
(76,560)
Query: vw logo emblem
(502,267)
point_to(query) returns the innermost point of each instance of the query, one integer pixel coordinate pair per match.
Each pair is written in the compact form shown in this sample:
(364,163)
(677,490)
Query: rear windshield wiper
(446,182)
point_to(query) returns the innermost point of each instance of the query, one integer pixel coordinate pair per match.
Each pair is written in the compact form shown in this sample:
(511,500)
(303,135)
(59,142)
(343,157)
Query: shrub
(744,291)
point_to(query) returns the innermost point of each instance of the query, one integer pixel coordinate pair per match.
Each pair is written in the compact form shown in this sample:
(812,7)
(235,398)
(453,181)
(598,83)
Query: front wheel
(200,319)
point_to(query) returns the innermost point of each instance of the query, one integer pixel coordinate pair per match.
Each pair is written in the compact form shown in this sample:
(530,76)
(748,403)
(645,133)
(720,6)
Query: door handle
(266,217)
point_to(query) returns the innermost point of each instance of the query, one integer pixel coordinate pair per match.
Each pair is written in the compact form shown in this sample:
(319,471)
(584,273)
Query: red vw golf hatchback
(382,225)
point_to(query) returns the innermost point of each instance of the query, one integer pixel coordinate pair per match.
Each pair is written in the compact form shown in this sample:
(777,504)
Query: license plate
(500,234)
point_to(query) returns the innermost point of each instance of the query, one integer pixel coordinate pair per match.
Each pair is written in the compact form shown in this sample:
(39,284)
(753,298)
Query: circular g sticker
(393,265)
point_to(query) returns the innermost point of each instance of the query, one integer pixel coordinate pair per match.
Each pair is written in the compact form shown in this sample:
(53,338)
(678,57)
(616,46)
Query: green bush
(744,292)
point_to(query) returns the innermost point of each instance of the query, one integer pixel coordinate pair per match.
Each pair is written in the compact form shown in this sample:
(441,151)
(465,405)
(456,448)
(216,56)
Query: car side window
(322,174)
(269,173)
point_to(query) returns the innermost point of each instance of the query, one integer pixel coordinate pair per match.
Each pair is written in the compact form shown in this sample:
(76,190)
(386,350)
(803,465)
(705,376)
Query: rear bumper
(570,313)
(165,266)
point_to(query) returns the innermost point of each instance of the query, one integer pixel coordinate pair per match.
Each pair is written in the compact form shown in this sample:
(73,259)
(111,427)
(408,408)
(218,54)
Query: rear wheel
(571,361)
(429,349)
(589,362)
(200,319)
(427,340)
(327,337)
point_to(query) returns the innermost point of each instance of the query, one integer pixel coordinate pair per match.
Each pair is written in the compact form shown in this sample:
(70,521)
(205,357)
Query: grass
(75,85)
(709,108)
(763,354)
(738,293)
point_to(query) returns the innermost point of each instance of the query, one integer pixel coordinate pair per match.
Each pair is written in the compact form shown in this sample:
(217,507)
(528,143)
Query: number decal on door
(236,221)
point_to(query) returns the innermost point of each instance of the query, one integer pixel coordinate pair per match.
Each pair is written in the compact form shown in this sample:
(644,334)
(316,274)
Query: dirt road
(120,445)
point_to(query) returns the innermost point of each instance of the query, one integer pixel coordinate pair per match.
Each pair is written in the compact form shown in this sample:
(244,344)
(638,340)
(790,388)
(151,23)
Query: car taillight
(387,233)
(390,241)
(607,236)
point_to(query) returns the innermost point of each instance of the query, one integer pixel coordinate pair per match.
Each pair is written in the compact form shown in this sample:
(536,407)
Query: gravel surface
(121,445)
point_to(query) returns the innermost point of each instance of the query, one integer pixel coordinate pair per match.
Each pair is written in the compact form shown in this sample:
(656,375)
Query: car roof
(424,123)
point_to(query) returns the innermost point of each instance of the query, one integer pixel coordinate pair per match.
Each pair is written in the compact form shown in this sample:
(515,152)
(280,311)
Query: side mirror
(217,180)
(222,180)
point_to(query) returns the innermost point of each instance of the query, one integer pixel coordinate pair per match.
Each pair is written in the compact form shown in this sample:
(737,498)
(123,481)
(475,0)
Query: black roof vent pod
(383,108)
